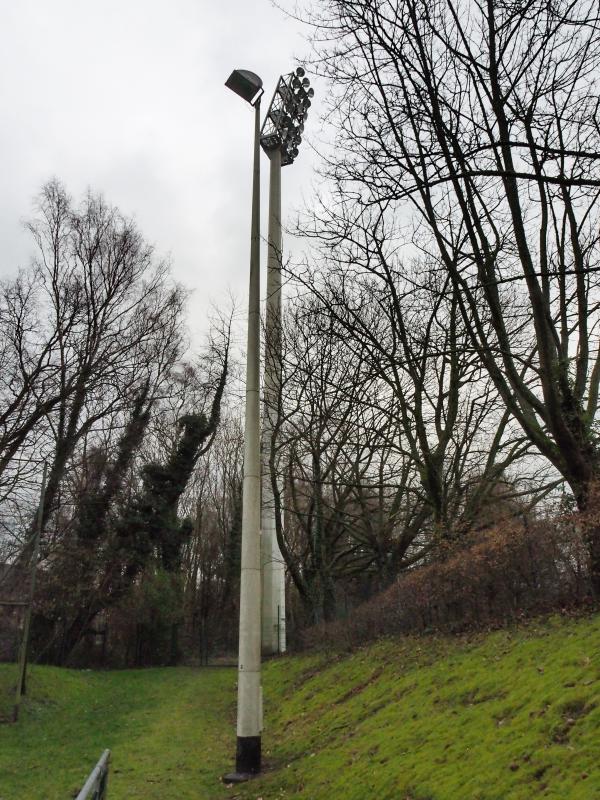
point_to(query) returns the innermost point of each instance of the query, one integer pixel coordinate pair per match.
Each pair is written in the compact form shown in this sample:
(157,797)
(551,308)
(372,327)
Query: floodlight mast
(249,710)
(280,138)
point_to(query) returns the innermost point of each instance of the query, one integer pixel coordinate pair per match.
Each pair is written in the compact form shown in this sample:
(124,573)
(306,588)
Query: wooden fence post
(22,677)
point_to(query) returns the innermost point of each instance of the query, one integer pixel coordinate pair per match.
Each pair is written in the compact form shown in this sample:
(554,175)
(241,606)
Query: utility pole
(282,130)
(280,138)
(249,709)
(23,652)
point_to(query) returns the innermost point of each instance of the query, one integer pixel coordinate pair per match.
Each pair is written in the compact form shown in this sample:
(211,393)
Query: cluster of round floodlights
(284,124)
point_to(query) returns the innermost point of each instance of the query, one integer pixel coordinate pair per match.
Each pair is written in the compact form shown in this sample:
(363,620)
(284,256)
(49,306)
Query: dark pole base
(237,777)
(247,760)
(247,757)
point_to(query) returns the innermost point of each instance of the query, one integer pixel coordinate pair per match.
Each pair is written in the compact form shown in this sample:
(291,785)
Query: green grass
(170,731)
(514,715)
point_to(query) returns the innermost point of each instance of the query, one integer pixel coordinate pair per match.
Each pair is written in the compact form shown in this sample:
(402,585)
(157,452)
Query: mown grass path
(514,715)
(170,730)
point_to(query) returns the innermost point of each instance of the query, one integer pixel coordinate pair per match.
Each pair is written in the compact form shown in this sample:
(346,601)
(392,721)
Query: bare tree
(94,321)
(385,429)
(93,365)
(477,125)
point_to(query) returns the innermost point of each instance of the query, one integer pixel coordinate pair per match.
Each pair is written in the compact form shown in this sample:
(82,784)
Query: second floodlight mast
(280,138)
(248,86)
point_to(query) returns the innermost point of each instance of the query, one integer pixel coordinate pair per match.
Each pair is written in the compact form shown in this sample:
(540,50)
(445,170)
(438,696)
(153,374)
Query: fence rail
(96,786)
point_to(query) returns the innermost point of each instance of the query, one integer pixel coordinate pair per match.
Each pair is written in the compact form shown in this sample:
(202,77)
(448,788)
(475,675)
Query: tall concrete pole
(249,708)
(273,567)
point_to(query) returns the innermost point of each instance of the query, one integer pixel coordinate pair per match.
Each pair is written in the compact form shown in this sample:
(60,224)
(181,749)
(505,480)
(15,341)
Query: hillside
(514,715)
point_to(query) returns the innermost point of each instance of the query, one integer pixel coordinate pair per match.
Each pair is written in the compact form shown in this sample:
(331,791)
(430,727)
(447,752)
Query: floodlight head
(246,85)
(283,126)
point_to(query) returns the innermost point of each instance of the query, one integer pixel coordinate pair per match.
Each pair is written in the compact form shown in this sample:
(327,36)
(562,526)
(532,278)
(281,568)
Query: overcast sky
(127,97)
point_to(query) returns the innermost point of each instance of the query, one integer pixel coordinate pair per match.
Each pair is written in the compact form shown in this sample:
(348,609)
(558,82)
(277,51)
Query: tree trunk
(585,501)
(594,545)
(174,648)
(329,599)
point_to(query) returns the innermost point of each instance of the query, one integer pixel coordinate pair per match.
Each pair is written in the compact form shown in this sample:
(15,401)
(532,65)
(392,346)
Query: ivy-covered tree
(150,524)
(116,536)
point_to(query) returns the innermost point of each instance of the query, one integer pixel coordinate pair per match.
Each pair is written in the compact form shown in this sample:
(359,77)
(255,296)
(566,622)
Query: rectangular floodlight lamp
(245,84)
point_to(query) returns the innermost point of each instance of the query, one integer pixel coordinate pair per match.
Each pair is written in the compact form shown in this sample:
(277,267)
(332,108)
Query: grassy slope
(512,716)
(515,715)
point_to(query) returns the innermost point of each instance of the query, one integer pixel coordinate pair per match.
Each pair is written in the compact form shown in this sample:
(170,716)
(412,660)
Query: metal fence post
(96,786)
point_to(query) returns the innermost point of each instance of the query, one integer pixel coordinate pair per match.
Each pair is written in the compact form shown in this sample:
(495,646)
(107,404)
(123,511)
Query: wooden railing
(96,786)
